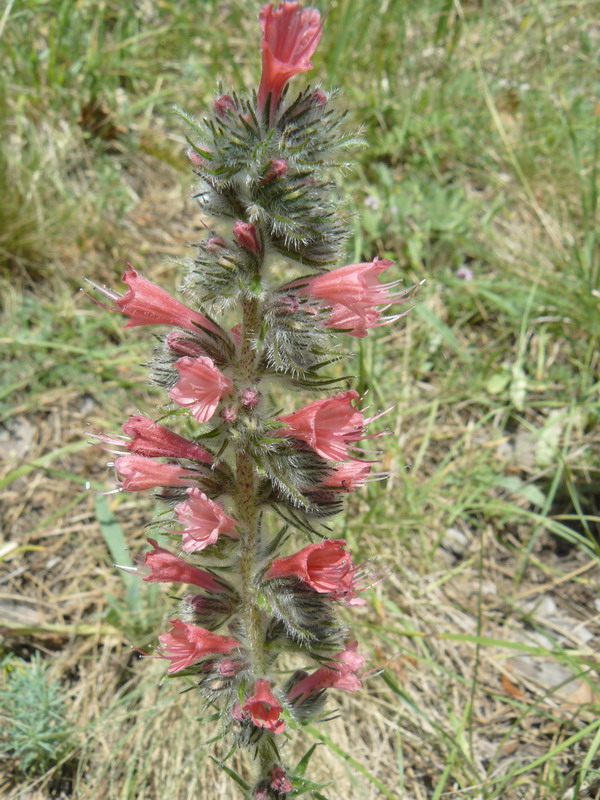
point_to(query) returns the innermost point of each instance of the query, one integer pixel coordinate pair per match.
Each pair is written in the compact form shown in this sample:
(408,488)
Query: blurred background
(482,129)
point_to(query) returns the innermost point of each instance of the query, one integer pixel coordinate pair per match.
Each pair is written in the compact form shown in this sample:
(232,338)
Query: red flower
(264,708)
(326,567)
(185,644)
(204,521)
(154,440)
(200,387)
(352,293)
(147,304)
(139,473)
(291,35)
(327,425)
(348,476)
(339,674)
(168,568)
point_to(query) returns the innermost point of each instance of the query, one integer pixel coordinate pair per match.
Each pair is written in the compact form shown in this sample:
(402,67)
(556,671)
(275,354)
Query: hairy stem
(247,505)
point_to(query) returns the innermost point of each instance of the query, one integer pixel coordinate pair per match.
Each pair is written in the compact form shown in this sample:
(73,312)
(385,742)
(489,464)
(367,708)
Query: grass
(482,130)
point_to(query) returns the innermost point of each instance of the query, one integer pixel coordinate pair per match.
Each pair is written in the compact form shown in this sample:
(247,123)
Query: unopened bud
(228,667)
(236,333)
(276,169)
(194,157)
(229,413)
(288,305)
(215,242)
(184,346)
(319,98)
(279,780)
(249,398)
(224,105)
(246,236)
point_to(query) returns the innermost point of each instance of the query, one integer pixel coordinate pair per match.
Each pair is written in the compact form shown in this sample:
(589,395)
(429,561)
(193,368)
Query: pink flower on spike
(264,708)
(185,644)
(348,476)
(329,425)
(204,521)
(139,473)
(165,567)
(338,674)
(247,237)
(352,293)
(154,440)
(326,567)
(291,35)
(145,303)
(200,387)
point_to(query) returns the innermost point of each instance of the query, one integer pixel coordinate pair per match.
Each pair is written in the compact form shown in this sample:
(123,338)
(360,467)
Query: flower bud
(247,237)
(249,398)
(224,105)
(277,169)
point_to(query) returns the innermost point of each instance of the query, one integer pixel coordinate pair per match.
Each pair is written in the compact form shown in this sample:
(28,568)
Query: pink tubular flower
(326,567)
(154,440)
(185,644)
(139,473)
(328,425)
(338,674)
(168,568)
(200,387)
(348,476)
(352,294)
(247,237)
(291,35)
(204,521)
(145,303)
(264,708)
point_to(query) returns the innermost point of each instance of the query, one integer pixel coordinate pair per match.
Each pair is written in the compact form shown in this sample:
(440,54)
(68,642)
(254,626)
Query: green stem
(247,505)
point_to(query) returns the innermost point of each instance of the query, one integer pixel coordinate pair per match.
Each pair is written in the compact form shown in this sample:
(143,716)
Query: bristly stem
(247,505)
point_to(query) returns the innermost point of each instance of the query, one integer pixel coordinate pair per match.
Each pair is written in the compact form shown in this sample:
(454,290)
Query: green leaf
(232,774)
(117,546)
(303,763)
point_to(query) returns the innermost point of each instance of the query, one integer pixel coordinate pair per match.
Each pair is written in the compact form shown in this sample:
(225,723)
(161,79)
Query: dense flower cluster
(260,161)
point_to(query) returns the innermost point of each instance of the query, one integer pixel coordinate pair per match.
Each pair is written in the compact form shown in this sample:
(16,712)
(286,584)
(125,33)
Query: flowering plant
(261,160)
